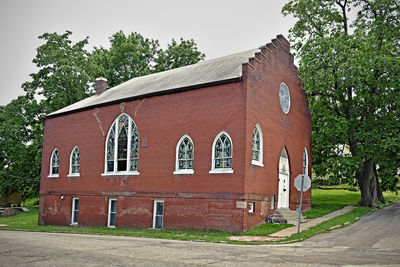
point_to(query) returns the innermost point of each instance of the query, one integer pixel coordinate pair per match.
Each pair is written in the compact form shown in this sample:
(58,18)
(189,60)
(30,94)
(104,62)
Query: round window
(284,98)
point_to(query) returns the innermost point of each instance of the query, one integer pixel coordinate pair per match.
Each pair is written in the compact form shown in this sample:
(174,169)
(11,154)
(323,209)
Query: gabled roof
(205,73)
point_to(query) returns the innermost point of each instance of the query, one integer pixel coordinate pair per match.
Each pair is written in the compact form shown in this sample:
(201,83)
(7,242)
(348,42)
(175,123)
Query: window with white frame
(257,147)
(158,214)
(74,163)
(122,147)
(184,156)
(54,163)
(112,213)
(75,211)
(222,154)
(251,207)
(305,161)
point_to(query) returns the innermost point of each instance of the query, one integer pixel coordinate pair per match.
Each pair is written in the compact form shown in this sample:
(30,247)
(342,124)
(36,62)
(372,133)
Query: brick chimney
(101,85)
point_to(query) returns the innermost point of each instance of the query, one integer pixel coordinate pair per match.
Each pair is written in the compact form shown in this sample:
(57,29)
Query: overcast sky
(219,27)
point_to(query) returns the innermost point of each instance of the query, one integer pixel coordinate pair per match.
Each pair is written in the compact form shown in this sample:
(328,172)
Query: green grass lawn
(324,202)
(28,221)
(327,201)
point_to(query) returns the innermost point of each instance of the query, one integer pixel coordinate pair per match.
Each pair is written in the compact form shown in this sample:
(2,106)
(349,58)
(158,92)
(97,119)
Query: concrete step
(286,216)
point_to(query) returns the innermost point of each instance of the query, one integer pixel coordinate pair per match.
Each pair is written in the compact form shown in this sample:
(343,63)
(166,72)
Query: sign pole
(301,202)
(302,183)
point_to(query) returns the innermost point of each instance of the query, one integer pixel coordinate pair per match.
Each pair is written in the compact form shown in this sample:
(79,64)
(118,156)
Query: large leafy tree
(64,75)
(20,147)
(128,57)
(134,55)
(178,55)
(350,72)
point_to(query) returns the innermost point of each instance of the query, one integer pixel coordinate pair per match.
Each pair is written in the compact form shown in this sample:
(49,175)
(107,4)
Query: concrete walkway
(310,223)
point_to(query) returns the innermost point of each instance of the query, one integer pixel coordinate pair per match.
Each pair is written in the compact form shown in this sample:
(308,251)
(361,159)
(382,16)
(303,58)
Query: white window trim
(74,175)
(261,152)
(120,173)
(73,209)
(220,170)
(257,163)
(177,170)
(70,174)
(115,172)
(186,171)
(306,170)
(51,174)
(109,213)
(154,212)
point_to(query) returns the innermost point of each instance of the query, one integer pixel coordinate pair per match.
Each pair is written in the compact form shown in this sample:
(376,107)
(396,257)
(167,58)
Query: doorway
(283,178)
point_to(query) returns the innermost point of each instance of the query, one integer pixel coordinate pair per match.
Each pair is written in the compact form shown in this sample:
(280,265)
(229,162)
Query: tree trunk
(379,190)
(367,178)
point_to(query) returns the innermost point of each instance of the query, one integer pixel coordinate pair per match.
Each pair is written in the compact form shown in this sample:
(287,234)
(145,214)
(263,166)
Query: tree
(63,78)
(64,75)
(178,55)
(133,55)
(350,73)
(128,57)
(20,148)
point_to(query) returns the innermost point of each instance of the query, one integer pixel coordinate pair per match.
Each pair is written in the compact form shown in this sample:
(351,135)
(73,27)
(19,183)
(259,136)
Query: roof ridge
(187,66)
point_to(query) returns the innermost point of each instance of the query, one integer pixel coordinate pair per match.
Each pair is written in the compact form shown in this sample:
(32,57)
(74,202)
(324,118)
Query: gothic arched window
(257,147)
(74,162)
(54,163)
(122,147)
(222,154)
(184,156)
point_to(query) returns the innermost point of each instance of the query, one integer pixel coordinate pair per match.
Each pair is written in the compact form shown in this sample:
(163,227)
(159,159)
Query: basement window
(75,211)
(112,213)
(251,207)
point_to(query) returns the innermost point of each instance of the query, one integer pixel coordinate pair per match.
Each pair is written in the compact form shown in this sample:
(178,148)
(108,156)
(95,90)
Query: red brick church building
(214,145)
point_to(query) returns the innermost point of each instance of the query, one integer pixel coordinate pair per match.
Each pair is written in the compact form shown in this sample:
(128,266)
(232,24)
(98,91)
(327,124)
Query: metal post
(301,203)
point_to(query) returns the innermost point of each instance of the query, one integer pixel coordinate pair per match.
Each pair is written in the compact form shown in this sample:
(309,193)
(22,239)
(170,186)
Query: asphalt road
(374,240)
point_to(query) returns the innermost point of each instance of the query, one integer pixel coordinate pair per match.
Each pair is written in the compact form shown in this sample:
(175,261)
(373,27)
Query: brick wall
(161,121)
(270,68)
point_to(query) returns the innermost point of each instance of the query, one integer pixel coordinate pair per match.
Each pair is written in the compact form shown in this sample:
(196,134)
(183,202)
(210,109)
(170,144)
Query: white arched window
(305,161)
(122,147)
(74,163)
(257,147)
(54,163)
(222,151)
(184,156)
